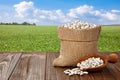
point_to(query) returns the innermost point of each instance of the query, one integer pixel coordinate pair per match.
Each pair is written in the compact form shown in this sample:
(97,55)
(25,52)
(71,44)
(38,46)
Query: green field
(18,38)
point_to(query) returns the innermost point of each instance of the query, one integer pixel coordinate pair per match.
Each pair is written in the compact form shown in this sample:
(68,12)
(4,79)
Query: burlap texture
(76,44)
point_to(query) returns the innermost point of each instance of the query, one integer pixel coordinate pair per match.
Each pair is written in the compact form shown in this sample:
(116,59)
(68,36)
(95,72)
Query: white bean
(78,25)
(89,63)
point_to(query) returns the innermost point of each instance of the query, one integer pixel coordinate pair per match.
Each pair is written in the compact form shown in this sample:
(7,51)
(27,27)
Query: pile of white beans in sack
(88,63)
(79,25)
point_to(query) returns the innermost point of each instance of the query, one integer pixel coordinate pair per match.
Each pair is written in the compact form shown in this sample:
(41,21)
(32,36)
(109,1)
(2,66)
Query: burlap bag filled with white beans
(75,44)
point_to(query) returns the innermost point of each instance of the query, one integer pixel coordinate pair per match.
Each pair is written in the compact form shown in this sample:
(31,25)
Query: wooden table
(38,66)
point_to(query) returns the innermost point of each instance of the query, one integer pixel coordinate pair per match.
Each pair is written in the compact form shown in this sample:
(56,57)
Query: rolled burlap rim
(91,34)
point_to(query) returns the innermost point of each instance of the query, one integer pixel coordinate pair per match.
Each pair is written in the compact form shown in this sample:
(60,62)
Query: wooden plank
(30,67)
(8,62)
(50,70)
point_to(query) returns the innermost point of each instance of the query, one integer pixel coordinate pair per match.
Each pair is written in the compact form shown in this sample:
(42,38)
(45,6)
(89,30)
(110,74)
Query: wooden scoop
(112,58)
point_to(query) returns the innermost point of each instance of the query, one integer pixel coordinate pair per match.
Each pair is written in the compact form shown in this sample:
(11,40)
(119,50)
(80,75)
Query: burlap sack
(76,44)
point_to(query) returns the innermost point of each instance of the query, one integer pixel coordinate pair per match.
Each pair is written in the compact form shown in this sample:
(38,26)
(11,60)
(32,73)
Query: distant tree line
(15,23)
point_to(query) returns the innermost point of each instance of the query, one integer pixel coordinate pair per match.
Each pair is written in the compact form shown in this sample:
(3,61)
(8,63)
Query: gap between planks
(8,62)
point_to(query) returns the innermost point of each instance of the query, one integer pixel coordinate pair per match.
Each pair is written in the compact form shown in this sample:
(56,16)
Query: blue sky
(55,12)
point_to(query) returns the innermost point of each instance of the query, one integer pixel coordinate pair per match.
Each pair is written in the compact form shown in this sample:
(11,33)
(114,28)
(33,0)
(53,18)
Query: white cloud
(42,17)
(97,13)
(80,10)
(45,14)
(110,16)
(61,16)
(26,11)
(115,11)
(55,15)
(22,8)
(88,13)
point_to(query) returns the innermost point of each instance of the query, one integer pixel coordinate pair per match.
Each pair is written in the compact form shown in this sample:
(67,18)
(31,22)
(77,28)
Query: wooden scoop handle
(112,58)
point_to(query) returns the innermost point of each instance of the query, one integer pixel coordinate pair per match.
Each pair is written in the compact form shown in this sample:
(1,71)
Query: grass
(14,38)
(28,39)
(110,39)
